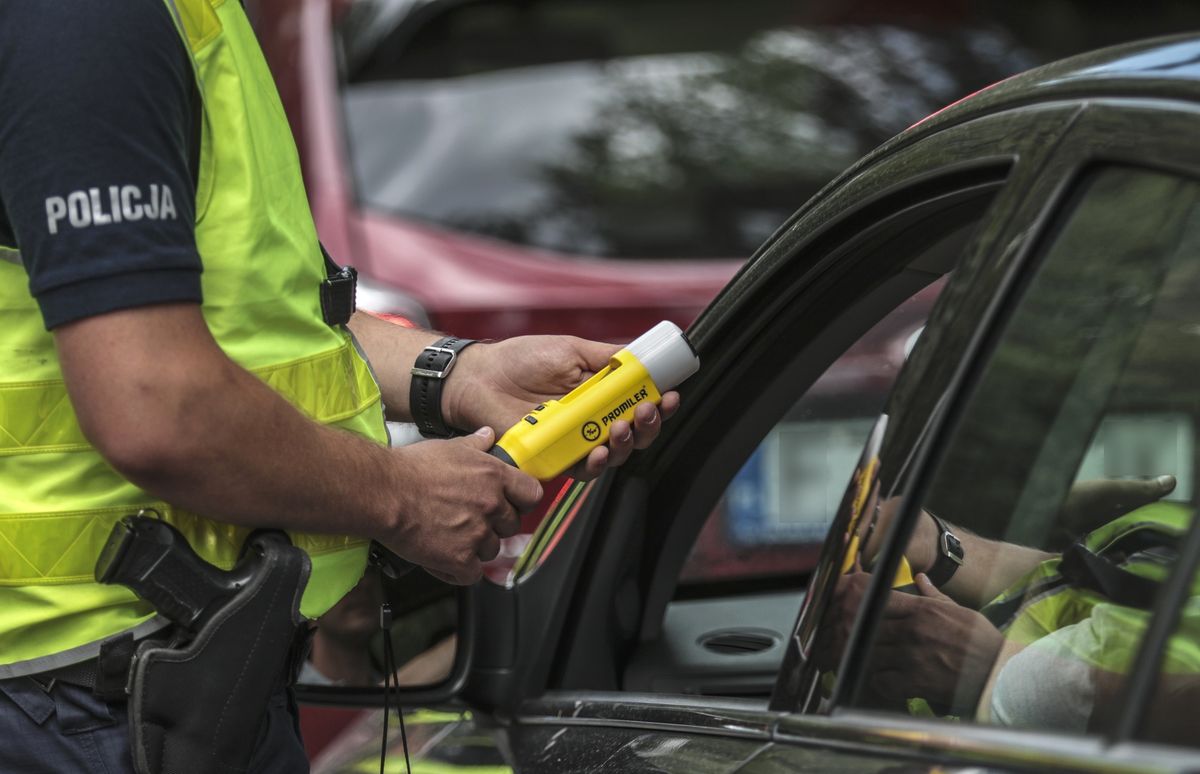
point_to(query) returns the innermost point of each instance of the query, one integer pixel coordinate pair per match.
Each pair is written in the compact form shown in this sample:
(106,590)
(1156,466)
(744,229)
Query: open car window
(1068,485)
(775,513)
(724,630)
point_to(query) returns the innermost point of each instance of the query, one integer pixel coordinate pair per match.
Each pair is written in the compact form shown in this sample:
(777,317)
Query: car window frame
(1044,128)
(818,229)
(1108,132)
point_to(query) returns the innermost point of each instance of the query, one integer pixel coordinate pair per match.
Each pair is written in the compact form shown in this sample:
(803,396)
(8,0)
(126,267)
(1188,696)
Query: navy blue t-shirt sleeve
(96,124)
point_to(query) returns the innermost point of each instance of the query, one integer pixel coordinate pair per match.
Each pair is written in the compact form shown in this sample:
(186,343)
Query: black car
(1056,379)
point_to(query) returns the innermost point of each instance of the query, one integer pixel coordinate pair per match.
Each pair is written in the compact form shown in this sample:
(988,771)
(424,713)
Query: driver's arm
(989,566)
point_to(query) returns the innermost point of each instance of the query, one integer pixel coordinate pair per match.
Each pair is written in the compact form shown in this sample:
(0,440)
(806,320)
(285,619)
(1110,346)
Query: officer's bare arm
(392,350)
(169,410)
(495,383)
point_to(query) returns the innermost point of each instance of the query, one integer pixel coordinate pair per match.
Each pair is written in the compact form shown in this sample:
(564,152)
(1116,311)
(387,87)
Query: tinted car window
(1068,480)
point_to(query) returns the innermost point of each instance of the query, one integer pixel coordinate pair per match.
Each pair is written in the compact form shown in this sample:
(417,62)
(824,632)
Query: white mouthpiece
(666,354)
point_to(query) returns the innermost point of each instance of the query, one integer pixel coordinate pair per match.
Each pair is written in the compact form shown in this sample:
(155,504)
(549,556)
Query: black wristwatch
(950,553)
(429,374)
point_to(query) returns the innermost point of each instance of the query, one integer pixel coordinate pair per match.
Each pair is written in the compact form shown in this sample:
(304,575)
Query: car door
(598,608)
(594,607)
(1076,374)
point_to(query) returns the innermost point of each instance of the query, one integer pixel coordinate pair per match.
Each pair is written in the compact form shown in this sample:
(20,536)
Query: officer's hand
(1091,504)
(458,503)
(498,383)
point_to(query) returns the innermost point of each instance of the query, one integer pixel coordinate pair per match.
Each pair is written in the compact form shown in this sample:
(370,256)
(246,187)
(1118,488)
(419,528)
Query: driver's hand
(1091,504)
(931,647)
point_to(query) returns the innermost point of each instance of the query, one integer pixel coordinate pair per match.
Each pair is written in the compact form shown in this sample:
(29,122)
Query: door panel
(788,759)
(581,732)
(570,750)
(716,647)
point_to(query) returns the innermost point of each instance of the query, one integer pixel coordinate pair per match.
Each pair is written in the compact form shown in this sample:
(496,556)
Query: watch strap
(949,553)
(429,374)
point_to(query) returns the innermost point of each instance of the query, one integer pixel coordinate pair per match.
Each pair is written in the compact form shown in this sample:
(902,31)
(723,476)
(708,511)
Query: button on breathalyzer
(566,429)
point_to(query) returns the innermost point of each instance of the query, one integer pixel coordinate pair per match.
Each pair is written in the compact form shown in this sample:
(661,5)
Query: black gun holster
(197,702)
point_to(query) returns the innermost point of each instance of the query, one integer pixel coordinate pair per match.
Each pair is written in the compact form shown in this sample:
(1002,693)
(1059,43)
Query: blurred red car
(588,166)
(466,279)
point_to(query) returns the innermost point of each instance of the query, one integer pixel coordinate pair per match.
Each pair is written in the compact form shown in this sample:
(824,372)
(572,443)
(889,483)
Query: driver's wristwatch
(949,556)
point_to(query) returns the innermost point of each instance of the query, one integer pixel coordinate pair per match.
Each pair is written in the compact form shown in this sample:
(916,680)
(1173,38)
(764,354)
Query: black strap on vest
(338,291)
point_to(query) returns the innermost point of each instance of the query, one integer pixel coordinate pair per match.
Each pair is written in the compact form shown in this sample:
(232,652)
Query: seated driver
(1020,636)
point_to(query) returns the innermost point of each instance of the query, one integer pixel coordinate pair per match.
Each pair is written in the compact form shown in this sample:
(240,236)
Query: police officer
(164,346)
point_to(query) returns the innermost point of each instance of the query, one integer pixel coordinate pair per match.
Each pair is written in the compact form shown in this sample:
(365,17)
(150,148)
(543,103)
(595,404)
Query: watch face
(952,547)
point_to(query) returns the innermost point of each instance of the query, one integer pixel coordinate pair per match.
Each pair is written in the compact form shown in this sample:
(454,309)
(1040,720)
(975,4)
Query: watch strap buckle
(433,373)
(428,379)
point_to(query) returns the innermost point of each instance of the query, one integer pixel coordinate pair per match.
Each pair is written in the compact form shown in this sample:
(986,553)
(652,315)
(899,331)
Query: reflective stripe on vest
(262,272)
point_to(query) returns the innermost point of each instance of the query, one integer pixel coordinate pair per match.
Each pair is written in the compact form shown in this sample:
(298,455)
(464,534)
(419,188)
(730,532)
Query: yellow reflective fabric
(329,387)
(1115,630)
(262,271)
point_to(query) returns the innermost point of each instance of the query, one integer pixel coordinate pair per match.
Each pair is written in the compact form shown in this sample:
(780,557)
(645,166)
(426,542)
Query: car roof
(1165,68)
(1162,68)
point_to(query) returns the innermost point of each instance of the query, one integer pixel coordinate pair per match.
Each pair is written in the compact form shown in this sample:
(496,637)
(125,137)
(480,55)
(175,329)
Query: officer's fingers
(647,424)
(521,489)
(592,466)
(620,443)
(489,547)
(468,572)
(669,404)
(482,439)
(595,354)
(443,576)
(505,521)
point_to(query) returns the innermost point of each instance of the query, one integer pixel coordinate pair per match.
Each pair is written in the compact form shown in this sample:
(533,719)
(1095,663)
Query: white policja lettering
(83,209)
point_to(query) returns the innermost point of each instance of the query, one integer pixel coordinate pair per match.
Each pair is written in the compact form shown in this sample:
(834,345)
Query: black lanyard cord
(390,681)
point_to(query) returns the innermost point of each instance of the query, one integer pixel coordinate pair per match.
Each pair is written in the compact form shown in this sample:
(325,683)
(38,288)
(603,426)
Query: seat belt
(1102,572)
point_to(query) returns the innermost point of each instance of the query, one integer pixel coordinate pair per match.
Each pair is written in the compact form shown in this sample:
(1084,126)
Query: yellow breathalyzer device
(559,433)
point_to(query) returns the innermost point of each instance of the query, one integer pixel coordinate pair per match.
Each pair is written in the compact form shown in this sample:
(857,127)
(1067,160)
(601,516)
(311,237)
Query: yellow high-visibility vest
(262,271)
(1043,602)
